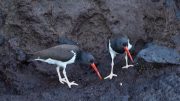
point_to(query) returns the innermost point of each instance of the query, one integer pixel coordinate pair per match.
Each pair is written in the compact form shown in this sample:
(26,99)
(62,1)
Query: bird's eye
(91,61)
(125,44)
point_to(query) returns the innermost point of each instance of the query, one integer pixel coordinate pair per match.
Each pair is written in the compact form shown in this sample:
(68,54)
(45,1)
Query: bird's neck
(78,57)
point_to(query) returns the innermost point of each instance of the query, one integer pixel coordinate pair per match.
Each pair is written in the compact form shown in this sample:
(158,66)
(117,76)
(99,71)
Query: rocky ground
(27,26)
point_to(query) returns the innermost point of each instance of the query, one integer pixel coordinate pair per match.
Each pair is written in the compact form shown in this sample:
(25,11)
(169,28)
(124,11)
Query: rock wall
(30,25)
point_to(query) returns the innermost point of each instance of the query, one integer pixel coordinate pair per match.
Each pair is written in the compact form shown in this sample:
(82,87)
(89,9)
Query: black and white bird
(65,54)
(119,46)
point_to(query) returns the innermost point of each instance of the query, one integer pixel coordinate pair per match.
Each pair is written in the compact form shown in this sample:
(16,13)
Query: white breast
(112,52)
(129,45)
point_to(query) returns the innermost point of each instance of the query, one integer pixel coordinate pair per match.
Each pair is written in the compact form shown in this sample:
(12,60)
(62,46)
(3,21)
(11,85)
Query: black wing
(60,52)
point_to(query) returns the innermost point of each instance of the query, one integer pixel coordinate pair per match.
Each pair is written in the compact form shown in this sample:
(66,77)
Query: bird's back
(60,52)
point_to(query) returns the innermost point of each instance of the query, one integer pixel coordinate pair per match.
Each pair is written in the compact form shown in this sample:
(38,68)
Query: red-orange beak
(128,53)
(97,72)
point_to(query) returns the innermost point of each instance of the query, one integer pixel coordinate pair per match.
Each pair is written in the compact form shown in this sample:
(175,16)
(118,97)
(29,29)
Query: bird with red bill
(119,46)
(65,54)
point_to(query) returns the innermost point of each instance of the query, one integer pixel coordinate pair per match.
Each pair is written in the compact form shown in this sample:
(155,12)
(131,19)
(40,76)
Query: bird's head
(88,59)
(124,45)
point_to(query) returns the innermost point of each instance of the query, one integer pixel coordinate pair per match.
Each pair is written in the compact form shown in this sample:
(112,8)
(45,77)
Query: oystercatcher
(119,46)
(65,54)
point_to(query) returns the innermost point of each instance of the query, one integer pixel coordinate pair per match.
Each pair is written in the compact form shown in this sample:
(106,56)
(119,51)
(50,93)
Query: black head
(88,59)
(122,45)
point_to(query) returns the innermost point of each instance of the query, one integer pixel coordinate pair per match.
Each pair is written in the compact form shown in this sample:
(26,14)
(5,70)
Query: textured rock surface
(176,40)
(1,40)
(32,25)
(165,87)
(154,53)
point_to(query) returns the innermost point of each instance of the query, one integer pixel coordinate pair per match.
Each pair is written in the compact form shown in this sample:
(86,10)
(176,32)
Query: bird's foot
(127,66)
(110,76)
(71,83)
(62,80)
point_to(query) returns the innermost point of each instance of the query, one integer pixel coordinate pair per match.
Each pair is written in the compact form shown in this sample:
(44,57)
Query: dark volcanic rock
(113,95)
(1,40)
(21,56)
(2,18)
(174,4)
(33,25)
(159,54)
(176,40)
(123,18)
(164,88)
(15,45)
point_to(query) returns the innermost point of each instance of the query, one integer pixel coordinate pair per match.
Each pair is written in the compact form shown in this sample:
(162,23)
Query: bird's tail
(30,57)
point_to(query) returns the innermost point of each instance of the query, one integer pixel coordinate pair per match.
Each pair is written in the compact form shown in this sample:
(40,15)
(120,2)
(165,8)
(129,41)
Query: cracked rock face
(27,26)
